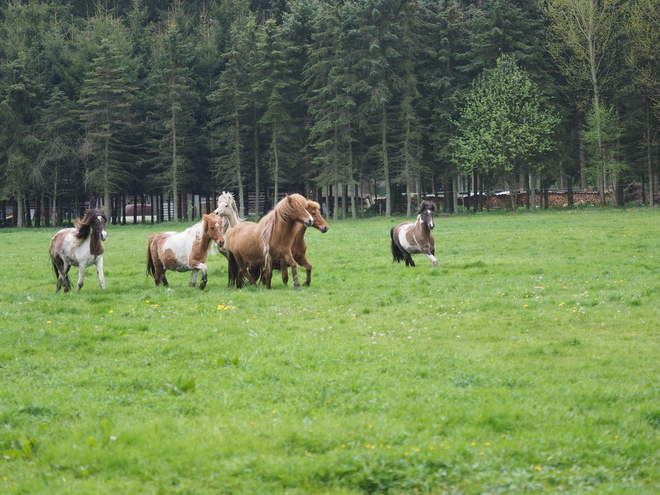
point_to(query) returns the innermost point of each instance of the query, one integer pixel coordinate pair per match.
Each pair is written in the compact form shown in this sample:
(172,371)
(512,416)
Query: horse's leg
(201,267)
(429,251)
(81,275)
(193,277)
(65,276)
(288,258)
(409,260)
(284,268)
(57,265)
(308,268)
(99,271)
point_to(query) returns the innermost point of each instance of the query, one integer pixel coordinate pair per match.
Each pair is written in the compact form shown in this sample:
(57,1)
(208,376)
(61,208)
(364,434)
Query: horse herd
(252,249)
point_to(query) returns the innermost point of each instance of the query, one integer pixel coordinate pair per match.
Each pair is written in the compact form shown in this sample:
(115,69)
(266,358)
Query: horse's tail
(151,268)
(396,252)
(232,268)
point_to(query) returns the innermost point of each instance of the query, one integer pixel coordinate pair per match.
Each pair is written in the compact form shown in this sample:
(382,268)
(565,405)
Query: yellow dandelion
(561,304)
(111,311)
(538,468)
(473,444)
(48,322)
(147,302)
(526,306)
(487,444)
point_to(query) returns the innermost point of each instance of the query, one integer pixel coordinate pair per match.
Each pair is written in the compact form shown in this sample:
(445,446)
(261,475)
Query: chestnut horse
(255,247)
(299,246)
(80,246)
(184,251)
(413,238)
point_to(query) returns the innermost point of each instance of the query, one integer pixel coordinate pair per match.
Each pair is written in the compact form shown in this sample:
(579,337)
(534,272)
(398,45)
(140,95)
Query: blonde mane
(283,211)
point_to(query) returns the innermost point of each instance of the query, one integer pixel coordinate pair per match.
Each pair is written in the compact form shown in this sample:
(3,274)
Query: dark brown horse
(299,246)
(257,246)
(184,251)
(413,238)
(80,246)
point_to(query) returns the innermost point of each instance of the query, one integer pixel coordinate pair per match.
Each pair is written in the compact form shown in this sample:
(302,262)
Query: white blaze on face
(104,234)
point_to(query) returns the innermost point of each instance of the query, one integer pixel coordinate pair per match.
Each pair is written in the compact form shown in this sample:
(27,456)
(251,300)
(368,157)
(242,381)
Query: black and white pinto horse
(80,246)
(414,238)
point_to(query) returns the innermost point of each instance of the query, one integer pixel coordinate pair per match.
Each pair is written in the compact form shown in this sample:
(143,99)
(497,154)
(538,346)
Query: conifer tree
(276,86)
(228,128)
(106,109)
(174,98)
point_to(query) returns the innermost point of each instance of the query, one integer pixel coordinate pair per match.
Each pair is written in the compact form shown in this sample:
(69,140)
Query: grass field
(530,363)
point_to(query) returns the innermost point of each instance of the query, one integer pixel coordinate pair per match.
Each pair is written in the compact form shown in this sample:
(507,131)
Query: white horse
(80,246)
(228,210)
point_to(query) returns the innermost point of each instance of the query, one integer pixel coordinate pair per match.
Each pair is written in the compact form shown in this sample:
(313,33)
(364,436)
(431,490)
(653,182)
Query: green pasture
(530,363)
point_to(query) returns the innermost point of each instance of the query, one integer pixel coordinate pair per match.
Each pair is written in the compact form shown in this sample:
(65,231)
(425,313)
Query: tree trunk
(648,154)
(386,162)
(584,184)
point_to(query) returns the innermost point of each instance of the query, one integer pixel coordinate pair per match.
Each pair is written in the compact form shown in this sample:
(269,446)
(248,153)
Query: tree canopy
(371,97)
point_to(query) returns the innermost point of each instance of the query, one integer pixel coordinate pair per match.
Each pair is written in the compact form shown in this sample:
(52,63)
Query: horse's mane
(84,229)
(314,205)
(424,205)
(228,198)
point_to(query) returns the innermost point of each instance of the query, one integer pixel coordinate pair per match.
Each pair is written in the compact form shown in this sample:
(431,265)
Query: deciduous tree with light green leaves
(505,124)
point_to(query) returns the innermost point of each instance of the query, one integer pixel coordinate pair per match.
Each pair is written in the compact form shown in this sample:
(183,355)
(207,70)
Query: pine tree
(331,107)
(106,109)
(375,34)
(228,128)
(174,98)
(277,88)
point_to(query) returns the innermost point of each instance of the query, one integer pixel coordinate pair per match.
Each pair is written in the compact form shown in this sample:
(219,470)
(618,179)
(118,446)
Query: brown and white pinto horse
(80,246)
(184,251)
(254,247)
(299,246)
(413,238)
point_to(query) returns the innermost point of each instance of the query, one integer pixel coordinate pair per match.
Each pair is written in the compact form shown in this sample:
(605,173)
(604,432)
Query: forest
(342,100)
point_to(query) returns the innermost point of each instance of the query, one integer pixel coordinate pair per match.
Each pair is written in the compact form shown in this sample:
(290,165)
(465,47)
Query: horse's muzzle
(309,223)
(220,244)
(323,230)
(431,226)
(104,235)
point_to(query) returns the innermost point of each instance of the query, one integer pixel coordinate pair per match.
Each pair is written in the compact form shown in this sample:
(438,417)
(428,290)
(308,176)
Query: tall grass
(528,364)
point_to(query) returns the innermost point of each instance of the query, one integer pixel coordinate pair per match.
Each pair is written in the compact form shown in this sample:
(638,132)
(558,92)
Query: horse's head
(425,213)
(296,206)
(225,202)
(212,224)
(314,209)
(93,222)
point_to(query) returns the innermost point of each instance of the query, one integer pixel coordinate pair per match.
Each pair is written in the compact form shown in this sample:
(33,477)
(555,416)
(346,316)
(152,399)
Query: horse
(299,247)
(252,248)
(184,251)
(228,210)
(413,238)
(79,246)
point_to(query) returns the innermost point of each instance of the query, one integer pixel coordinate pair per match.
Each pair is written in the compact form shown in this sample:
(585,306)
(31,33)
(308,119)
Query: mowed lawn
(530,363)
